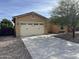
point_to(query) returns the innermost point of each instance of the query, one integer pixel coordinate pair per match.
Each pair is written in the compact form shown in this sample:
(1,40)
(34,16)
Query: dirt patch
(68,36)
(13,48)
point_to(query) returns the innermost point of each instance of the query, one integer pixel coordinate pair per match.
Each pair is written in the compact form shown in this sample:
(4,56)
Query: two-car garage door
(31,28)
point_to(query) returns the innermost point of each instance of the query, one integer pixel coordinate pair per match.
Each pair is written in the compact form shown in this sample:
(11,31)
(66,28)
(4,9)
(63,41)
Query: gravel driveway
(49,47)
(13,48)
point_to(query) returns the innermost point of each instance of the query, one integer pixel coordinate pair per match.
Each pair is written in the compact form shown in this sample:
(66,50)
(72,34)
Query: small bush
(6,31)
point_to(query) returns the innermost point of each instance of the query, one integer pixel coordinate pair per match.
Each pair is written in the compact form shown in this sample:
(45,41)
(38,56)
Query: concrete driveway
(49,47)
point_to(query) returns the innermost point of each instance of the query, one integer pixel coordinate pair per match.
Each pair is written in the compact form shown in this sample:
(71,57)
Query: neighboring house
(33,24)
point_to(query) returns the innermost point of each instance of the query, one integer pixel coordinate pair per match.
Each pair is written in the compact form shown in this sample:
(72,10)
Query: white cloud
(45,8)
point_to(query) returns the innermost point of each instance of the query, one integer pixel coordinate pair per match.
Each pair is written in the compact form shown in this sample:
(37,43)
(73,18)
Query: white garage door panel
(26,29)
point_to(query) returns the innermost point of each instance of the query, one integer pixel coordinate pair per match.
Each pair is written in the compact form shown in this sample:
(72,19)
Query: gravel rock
(13,48)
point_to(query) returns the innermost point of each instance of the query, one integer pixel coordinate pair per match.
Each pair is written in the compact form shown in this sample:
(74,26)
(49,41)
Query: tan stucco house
(33,24)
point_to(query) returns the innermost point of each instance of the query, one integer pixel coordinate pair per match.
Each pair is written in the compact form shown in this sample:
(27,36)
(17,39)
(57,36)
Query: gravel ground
(68,37)
(13,48)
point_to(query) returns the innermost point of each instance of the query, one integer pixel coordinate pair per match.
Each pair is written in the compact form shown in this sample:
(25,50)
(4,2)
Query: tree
(5,23)
(67,13)
(7,27)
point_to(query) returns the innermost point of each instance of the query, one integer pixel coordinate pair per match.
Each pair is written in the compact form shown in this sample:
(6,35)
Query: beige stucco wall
(56,28)
(32,18)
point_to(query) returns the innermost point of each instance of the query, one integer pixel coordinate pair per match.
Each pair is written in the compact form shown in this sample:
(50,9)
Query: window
(23,23)
(36,24)
(62,27)
(30,24)
(41,24)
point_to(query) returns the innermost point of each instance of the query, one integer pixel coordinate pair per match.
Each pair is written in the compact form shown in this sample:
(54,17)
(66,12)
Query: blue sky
(10,8)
